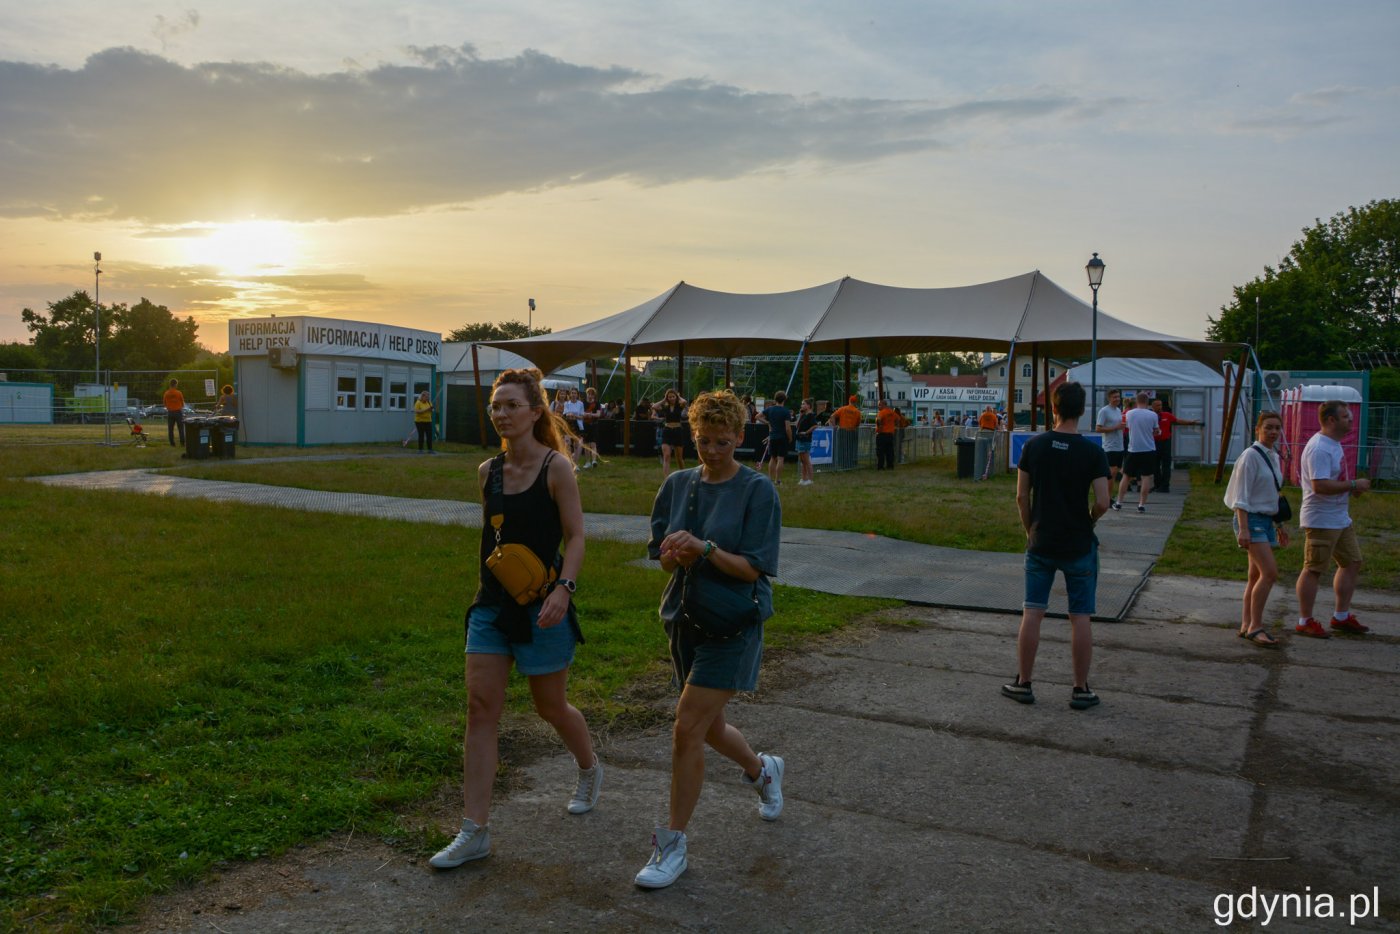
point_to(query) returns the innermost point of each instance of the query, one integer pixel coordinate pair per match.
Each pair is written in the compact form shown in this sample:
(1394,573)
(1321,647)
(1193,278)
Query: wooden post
(593,380)
(1230,418)
(728,376)
(1049,411)
(627,404)
(480,401)
(1035,382)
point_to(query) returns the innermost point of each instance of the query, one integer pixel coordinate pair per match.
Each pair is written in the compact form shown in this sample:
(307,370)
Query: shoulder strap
(692,495)
(1278,484)
(495,493)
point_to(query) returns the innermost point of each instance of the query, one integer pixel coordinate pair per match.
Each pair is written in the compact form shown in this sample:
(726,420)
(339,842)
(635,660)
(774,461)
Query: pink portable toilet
(1300,423)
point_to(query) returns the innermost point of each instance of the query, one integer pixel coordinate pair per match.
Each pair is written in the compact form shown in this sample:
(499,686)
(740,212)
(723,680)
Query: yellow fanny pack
(518,569)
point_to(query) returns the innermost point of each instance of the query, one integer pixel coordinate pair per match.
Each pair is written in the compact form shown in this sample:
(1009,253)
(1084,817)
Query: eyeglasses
(508,408)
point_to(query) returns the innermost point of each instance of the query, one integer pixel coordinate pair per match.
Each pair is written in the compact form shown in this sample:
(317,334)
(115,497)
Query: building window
(1026,370)
(347,390)
(1019,398)
(398,392)
(1002,372)
(1052,372)
(374,392)
(901,395)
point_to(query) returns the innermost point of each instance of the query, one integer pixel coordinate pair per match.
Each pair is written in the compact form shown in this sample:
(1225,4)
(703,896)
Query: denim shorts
(727,665)
(1081,580)
(552,649)
(803,447)
(1261,528)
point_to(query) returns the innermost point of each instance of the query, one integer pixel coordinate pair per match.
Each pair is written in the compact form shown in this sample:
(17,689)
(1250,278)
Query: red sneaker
(1312,628)
(1350,624)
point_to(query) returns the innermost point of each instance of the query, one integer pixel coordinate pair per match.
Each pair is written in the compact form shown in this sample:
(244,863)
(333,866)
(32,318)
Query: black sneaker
(1117,506)
(1083,698)
(1142,509)
(1019,691)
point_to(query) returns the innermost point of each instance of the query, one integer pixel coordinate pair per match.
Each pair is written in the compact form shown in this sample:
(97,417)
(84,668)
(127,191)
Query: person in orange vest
(174,401)
(887,422)
(845,441)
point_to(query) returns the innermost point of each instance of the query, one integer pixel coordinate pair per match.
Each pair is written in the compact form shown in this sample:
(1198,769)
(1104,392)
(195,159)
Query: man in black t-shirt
(1058,469)
(779,419)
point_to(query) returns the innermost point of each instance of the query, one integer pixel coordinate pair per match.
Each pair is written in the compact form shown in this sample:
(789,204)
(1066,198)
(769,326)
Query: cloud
(166,30)
(132,135)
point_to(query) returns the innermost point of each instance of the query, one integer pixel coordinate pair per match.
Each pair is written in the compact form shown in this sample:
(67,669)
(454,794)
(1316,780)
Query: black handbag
(1285,508)
(711,608)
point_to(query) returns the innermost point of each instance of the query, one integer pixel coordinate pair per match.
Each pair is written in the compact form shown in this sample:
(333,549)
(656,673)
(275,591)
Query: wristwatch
(570,586)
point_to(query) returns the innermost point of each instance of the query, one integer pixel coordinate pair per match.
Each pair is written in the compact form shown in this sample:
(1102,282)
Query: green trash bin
(224,437)
(966,449)
(199,434)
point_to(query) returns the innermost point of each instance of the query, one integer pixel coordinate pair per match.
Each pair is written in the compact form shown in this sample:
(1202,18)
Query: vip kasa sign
(951,394)
(333,338)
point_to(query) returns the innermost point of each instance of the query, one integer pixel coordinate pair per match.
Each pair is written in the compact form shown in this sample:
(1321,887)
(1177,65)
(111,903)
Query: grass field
(190,683)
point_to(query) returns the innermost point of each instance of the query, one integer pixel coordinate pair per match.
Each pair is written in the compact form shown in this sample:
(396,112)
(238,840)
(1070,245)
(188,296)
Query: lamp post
(97,309)
(530,321)
(1095,270)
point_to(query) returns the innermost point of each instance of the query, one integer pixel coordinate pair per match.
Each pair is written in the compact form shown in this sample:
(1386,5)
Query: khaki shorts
(1323,545)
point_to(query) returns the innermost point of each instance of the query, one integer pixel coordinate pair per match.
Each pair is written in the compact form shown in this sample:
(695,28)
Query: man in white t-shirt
(1141,462)
(573,414)
(1327,523)
(1109,424)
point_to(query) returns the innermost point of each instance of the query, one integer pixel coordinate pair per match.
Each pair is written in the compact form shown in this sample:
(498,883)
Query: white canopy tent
(1196,392)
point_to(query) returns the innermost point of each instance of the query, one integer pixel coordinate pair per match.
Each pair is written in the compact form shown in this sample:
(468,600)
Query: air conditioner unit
(1274,380)
(283,358)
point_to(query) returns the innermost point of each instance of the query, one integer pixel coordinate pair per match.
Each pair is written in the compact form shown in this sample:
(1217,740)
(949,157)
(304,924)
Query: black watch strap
(569,585)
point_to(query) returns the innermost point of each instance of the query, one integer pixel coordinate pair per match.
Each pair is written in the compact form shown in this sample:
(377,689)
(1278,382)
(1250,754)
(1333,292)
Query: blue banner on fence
(821,445)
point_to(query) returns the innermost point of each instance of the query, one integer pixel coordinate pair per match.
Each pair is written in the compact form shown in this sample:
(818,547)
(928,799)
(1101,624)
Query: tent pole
(880,380)
(593,369)
(1035,381)
(1049,413)
(1010,396)
(806,372)
(627,409)
(680,368)
(480,403)
(848,372)
(728,376)
(1230,418)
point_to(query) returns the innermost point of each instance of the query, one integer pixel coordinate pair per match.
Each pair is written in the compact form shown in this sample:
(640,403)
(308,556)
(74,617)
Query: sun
(246,248)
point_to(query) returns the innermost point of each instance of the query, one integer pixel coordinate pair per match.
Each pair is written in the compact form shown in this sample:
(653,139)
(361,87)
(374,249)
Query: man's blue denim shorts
(552,649)
(1081,580)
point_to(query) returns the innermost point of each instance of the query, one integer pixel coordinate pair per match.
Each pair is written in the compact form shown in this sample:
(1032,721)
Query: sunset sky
(434,162)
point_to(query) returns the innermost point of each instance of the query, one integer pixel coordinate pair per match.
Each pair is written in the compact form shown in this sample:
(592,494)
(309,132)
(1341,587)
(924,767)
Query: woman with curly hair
(534,485)
(718,523)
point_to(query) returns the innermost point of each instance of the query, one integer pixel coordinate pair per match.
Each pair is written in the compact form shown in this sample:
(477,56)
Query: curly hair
(720,409)
(551,429)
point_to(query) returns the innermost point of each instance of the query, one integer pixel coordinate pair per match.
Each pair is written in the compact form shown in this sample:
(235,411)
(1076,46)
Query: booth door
(1188,441)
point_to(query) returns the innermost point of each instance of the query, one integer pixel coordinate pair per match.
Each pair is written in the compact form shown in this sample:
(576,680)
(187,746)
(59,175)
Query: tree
(968,364)
(143,337)
(487,331)
(1337,290)
(19,356)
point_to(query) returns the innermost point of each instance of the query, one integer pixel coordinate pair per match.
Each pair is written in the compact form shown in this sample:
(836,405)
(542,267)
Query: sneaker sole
(455,863)
(648,884)
(1018,698)
(1084,704)
(782,767)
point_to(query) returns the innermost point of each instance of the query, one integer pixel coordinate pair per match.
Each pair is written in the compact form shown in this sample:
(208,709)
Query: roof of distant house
(973,380)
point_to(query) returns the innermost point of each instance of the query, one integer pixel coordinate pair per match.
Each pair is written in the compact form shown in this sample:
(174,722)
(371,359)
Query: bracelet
(709,547)
(1353,486)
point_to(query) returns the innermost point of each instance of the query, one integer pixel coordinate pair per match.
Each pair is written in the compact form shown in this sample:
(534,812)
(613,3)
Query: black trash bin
(198,436)
(224,436)
(967,450)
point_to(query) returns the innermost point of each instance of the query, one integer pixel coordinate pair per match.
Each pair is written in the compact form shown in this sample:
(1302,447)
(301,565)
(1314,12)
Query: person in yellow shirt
(423,421)
(174,401)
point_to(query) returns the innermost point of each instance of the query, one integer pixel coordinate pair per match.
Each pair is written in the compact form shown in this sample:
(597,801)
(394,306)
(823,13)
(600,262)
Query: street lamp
(1095,270)
(97,309)
(530,321)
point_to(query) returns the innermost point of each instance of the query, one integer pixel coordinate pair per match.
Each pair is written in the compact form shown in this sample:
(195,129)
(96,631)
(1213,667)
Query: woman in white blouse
(1253,493)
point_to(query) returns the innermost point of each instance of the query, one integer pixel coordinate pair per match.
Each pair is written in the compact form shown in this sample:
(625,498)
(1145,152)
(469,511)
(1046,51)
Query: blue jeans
(1081,580)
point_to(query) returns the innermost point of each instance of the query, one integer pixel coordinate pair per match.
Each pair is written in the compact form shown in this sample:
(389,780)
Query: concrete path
(847,563)
(1216,782)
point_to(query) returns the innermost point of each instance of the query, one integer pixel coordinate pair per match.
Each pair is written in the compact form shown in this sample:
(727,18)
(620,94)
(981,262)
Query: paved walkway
(817,559)
(1215,778)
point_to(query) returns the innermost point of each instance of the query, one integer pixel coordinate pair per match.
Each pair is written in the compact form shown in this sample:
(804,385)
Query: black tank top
(532,520)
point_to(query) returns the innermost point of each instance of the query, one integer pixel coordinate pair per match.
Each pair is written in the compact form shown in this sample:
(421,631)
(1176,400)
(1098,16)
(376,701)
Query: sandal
(1261,638)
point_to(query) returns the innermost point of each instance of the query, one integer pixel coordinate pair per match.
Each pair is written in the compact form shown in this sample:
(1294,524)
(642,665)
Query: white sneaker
(667,859)
(590,782)
(472,842)
(769,786)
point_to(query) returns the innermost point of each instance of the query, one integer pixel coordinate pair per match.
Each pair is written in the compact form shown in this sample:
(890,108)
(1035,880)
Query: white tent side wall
(1196,391)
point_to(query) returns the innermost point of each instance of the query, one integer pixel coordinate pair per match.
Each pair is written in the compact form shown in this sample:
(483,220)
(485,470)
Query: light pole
(97,309)
(1095,270)
(530,321)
